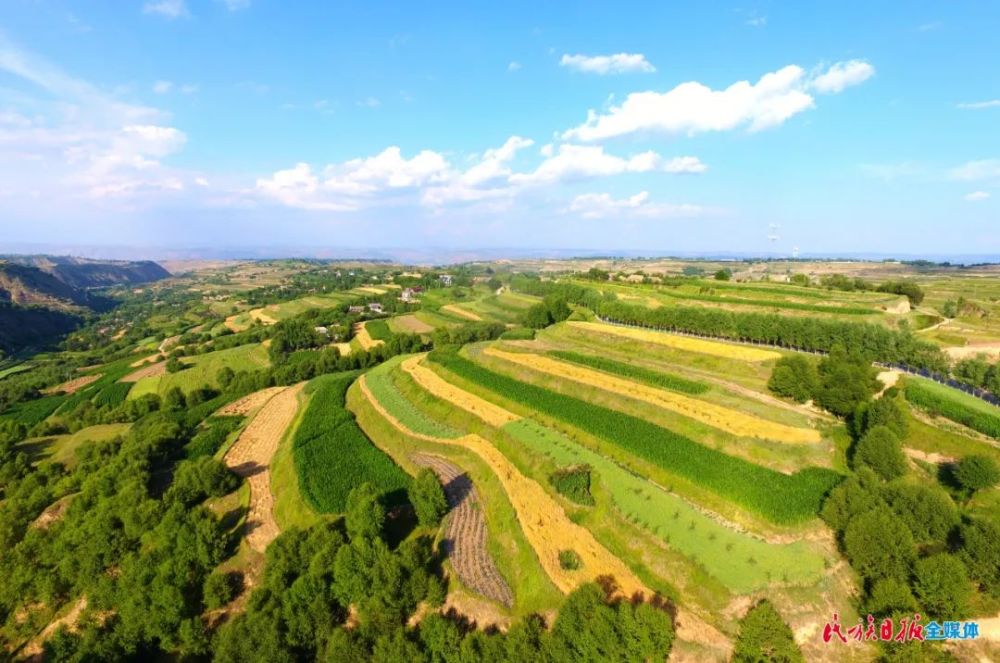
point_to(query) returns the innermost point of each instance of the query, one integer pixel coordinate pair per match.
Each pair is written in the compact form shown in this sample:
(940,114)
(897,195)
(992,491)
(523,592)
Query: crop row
(778,497)
(333,456)
(771,303)
(933,400)
(378,330)
(639,373)
(112,395)
(380,383)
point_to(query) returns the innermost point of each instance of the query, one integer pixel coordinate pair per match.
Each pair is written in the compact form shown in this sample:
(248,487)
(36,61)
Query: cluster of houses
(372,307)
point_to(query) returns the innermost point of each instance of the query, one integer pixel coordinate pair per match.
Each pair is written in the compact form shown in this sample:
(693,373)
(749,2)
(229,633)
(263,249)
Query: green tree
(795,377)
(428,498)
(879,546)
(537,317)
(365,516)
(942,586)
(224,376)
(926,509)
(880,450)
(219,589)
(174,399)
(885,411)
(846,381)
(723,275)
(980,551)
(174,365)
(976,472)
(764,636)
(890,596)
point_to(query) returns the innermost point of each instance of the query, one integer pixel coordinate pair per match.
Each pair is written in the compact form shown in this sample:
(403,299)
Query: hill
(85,273)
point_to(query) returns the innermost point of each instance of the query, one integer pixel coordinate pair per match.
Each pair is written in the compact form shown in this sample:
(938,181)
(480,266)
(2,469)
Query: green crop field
(380,382)
(333,456)
(955,405)
(778,497)
(740,561)
(201,370)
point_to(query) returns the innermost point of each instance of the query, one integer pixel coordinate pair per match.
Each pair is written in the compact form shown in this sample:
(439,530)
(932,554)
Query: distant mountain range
(44,297)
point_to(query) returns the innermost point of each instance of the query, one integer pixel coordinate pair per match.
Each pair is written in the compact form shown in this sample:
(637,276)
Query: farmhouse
(445,279)
(410,295)
(375,307)
(322,330)
(355,309)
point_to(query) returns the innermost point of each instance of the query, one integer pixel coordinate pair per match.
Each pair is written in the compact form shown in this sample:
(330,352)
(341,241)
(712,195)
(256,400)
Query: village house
(356,309)
(375,307)
(445,279)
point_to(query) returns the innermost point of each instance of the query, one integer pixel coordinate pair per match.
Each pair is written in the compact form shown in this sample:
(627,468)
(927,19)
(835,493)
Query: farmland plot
(456,310)
(465,533)
(433,383)
(724,350)
(713,415)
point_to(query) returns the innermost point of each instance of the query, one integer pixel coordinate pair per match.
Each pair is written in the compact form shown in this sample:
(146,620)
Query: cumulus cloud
(574,162)
(976,196)
(980,105)
(619,63)
(691,165)
(169,9)
(236,5)
(603,205)
(162,87)
(692,108)
(983,169)
(842,75)
(514,65)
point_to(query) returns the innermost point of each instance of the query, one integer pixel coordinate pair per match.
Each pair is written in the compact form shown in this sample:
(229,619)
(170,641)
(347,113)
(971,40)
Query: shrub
(174,365)
(779,497)
(942,586)
(980,550)
(211,436)
(428,498)
(569,560)
(764,636)
(884,411)
(879,449)
(518,334)
(926,510)
(794,377)
(976,472)
(200,478)
(890,596)
(574,484)
(220,589)
(879,545)
(846,380)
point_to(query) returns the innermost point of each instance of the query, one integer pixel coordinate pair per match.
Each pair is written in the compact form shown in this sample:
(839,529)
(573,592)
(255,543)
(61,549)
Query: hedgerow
(772,303)
(928,398)
(639,373)
(333,456)
(781,498)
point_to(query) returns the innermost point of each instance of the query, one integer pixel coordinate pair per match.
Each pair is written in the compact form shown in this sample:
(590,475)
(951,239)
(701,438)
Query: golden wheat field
(461,312)
(546,526)
(493,415)
(716,416)
(686,343)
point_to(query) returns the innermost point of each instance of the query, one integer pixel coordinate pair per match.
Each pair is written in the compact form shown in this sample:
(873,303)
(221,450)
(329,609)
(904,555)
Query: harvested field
(74,385)
(719,349)
(250,457)
(454,309)
(493,415)
(989,350)
(410,324)
(262,315)
(145,360)
(168,343)
(465,533)
(248,404)
(232,323)
(344,348)
(364,338)
(371,290)
(717,416)
(153,370)
(545,524)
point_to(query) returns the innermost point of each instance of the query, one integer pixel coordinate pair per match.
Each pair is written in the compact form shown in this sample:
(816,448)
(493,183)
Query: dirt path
(259,314)
(33,650)
(168,343)
(250,457)
(888,380)
(928,457)
(145,360)
(465,532)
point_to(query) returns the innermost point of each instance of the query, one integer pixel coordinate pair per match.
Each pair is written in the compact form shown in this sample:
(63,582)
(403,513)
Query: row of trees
(804,333)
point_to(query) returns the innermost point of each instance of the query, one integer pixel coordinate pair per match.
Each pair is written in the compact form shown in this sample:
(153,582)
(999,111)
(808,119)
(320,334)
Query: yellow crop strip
(494,415)
(716,416)
(545,525)
(726,350)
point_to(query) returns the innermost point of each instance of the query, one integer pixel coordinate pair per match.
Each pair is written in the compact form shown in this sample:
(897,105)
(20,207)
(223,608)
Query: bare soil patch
(412,324)
(145,360)
(150,371)
(74,385)
(991,350)
(466,534)
(248,404)
(250,457)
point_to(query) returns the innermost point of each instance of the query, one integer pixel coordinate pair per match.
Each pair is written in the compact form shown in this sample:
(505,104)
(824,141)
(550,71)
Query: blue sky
(836,127)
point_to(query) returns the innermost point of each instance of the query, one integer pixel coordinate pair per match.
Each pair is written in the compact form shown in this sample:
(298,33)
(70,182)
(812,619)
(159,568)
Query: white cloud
(573,162)
(757,21)
(692,108)
(984,169)
(514,65)
(976,196)
(842,75)
(170,9)
(679,165)
(602,205)
(892,171)
(980,105)
(201,181)
(619,63)
(369,102)
(162,87)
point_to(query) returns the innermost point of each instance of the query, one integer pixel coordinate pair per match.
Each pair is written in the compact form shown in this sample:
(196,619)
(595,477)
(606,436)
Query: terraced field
(200,370)
(685,343)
